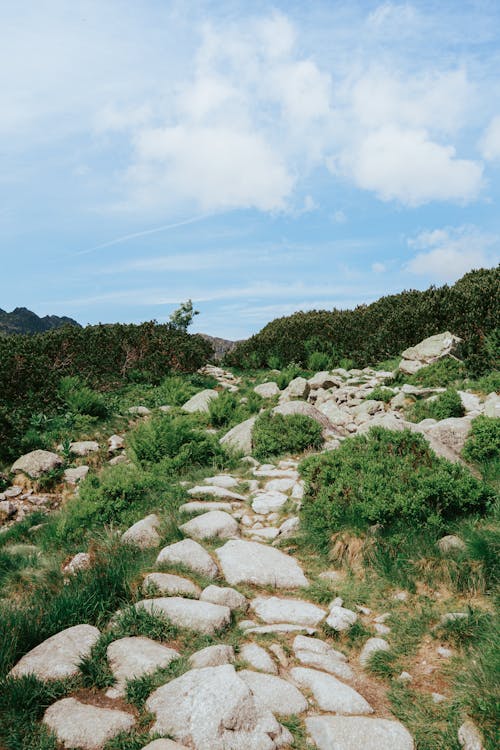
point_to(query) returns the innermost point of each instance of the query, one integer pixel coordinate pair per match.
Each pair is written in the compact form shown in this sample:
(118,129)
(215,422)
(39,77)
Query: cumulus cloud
(490,143)
(446,254)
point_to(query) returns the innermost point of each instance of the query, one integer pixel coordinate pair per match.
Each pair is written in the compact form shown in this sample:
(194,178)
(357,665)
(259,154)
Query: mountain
(221,346)
(22,320)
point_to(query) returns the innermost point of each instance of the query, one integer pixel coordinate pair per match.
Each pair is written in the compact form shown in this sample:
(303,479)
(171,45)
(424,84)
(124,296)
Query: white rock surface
(221,480)
(164,745)
(141,411)
(144,534)
(200,401)
(58,657)
(214,524)
(427,351)
(239,438)
(225,596)
(268,502)
(202,617)
(80,561)
(341,618)
(134,657)
(212,656)
(329,693)
(273,693)
(73,476)
(371,647)
(267,390)
(36,463)
(167,583)
(305,409)
(358,733)
(83,447)
(215,491)
(258,658)
(275,609)
(252,562)
(83,726)
(328,662)
(280,485)
(469,736)
(191,554)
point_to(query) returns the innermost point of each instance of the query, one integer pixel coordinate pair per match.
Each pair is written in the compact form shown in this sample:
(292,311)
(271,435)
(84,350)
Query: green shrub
(221,410)
(483,442)
(380,394)
(81,399)
(386,478)
(444,406)
(273,362)
(275,434)
(318,361)
(287,375)
(444,372)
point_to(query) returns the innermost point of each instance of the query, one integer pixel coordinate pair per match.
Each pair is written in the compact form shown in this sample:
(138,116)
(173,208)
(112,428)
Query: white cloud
(449,253)
(490,142)
(378,268)
(407,166)
(392,14)
(339,217)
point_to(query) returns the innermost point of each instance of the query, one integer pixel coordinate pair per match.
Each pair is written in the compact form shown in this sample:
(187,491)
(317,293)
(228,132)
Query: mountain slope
(22,320)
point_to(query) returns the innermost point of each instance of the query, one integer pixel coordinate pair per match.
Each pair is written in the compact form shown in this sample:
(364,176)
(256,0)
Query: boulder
(340,618)
(212,656)
(312,652)
(214,524)
(274,694)
(280,485)
(306,410)
(267,390)
(213,709)
(80,561)
(427,351)
(141,411)
(191,554)
(335,415)
(452,433)
(215,491)
(451,543)
(166,583)
(372,646)
(83,447)
(222,480)
(274,609)
(115,443)
(259,564)
(225,596)
(329,693)
(203,617)
(258,658)
(59,656)
(357,733)
(200,402)
(73,476)
(469,736)
(36,463)
(143,534)
(84,726)
(296,388)
(492,406)
(267,502)
(239,438)
(134,657)
(324,380)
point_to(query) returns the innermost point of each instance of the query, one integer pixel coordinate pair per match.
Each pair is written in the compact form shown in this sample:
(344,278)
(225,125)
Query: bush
(81,399)
(387,478)
(444,372)
(318,361)
(221,410)
(483,443)
(287,375)
(444,406)
(381,394)
(275,434)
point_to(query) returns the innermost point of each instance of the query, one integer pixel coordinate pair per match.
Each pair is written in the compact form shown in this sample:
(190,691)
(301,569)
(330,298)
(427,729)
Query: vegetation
(182,318)
(275,434)
(442,406)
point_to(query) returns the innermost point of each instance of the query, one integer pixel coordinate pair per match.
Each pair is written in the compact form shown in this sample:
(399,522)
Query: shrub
(221,410)
(287,375)
(483,442)
(81,399)
(387,478)
(275,434)
(444,406)
(318,361)
(444,372)
(380,394)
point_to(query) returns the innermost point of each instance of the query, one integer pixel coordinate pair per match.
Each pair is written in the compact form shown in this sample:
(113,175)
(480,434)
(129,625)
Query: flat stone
(203,617)
(239,438)
(279,627)
(328,662)
(212,656)
(141,411)
(469,736)
(73,476)
(59,656)
(452,433)
(213,709)
(225,596)
(340,618)
(357,733)
(267,390)
(222,480)
(280,485)
(143,534)
(134,657)
(267,532)
(83,447)
(259,564)
(199,505)
(167,583)
(36,463)
(200,402)
(371,647)
(164,744)
(273,693)
(258,658)
(275,609)
(213,491)
(267,502)
(191,554)
(329,693)
(83,726)
(214,524)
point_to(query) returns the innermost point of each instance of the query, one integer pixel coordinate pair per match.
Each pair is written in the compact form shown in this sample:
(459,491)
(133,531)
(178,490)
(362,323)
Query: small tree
(183,316)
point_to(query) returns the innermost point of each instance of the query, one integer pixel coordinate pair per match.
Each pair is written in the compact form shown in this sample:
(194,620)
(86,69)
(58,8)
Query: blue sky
(258,158)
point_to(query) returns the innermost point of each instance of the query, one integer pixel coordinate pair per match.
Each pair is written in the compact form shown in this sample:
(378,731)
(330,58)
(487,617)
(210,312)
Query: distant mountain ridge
(220,346)
(22,320)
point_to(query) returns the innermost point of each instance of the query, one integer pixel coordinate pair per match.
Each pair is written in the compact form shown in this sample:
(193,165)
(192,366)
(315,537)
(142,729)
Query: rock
(213,709)
(444,653)
(259,564)
(326,662)
(469,736)
(340,618)
(329,693)
(268,532)
(59,656)
(203,617)
(296,388)
(214,524)
(166,583)
(274,609)
(81,561)
(371,647)
(452,617)
(492,406)
(267,502)
(267,390)
(84,726)
(306,410)
(335,415)
(221,480)
(225,596)
(358,733)
(273,693)
(405,677)
(191,554)
(451,543)
(470,401)
(115,443)
(279,485)
(258,658)
(36,463)
(141,411)
(452,433)
(324,380)
(427,351)
(199,505)
(164,745)
(212,656)
(213,491)
(143,534)
(368,408)
(120,459)
(289,527)
(200,401)
(73,476)
(279,627)
(239,438)
(134,657)
(83,447)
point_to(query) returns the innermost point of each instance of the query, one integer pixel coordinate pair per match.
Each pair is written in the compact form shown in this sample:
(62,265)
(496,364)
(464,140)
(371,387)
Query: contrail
(134,235)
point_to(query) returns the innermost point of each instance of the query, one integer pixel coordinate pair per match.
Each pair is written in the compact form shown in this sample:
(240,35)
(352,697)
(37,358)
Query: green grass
(442,406)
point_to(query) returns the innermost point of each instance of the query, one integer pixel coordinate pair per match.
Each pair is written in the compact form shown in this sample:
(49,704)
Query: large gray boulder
(143,534)
(191,554)
(239,438)
(83,726)
(200,402)
(214,709)
(214,524)
(59,656)
(304,409)
(452,433)
(169,584)
(296,388)
(134,657)
(273,693)
(329,693)
(273,609)
(259,564)
(427,351)
(36,463)
(203,617)
(267,390)
(358,733)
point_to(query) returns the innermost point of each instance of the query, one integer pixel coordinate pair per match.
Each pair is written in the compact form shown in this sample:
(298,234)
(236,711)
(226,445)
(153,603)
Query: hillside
(22,320)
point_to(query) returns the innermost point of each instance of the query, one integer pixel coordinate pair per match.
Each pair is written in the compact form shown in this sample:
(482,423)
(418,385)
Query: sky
(258,158)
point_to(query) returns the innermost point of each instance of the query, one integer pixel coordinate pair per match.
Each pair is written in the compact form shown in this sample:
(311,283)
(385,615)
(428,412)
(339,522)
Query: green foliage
(318,361)
(381,394)
(23,702)
(387,478)
(443,406)
(373,333)
(273,362)
(444,372)
(483,442)
(221,410)
(288,374)
(182,318)
(275,434)
(81,399)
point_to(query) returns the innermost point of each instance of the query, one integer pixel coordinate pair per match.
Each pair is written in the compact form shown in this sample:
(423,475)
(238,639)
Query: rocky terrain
(233,631)
(22,320)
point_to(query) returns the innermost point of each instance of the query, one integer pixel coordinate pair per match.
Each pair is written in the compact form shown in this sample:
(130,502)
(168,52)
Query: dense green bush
(81,399)
(381,394)
(443,406)
(372,333)
(318,361)
(483,442)
(275,434)
(444,372)
(387,478)
(221,410)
